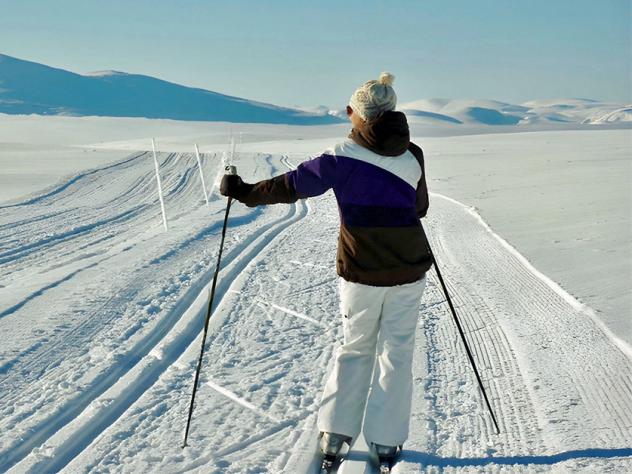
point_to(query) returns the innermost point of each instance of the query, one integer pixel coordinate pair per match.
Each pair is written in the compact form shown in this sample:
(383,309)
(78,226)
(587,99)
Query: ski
(333,454)
(385,464)
(329,464)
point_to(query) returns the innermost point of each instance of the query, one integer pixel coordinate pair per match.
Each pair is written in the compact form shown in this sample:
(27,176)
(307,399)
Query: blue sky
(308,53)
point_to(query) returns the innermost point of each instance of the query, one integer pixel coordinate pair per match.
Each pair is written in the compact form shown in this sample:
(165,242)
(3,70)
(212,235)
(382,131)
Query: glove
(233,186)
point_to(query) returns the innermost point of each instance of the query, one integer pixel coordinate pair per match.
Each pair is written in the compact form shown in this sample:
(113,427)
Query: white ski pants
(371,380)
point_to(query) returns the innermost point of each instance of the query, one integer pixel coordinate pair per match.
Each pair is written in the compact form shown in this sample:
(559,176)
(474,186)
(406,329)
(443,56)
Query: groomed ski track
(104,386)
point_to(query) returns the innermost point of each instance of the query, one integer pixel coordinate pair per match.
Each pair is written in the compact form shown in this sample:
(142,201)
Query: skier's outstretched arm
(311,178)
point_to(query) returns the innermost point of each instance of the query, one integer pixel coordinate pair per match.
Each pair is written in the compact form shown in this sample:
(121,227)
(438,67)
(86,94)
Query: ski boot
(387,456)
(330,446)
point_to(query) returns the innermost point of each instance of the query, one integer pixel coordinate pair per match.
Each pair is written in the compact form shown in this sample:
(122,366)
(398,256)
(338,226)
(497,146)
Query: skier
(378,178)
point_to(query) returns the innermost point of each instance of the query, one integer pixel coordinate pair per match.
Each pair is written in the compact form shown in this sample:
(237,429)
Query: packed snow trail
(73,338)
(560,387)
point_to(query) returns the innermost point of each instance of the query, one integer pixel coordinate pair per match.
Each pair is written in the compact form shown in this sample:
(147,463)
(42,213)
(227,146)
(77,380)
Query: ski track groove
(56,189)
(482,342)
(322,357)
(79,440)
(497,361)
(141,186)
(64,237)
(45,355)
(227,341)
(108,308)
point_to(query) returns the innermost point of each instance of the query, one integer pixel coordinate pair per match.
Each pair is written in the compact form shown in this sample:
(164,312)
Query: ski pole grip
(230,169)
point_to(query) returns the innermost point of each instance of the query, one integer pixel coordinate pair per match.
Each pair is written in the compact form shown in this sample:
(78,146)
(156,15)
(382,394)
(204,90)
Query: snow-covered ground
(563,198)
(36,151)
(101,309)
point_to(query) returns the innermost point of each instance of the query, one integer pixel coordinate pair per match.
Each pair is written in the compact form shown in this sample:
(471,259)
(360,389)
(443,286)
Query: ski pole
(467,347)
(229,170)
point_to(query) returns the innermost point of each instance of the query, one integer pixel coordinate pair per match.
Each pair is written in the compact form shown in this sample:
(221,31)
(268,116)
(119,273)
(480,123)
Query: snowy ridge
(32,88)
(158,356)
(104,336)
(493,112)
(623,114)
(120,94)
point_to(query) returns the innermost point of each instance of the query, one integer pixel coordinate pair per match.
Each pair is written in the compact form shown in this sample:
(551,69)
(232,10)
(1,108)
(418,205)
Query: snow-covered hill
(623,114)
(31,88)
(492,112)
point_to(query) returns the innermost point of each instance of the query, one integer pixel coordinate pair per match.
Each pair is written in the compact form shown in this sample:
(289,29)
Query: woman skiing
(378,178)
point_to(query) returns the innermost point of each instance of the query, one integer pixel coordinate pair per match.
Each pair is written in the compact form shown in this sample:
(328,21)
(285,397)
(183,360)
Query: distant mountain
(31,88)
(623,114)
(491,112)
(585,111)
(430,115)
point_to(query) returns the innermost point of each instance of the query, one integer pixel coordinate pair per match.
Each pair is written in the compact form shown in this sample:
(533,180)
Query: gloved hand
(233,186)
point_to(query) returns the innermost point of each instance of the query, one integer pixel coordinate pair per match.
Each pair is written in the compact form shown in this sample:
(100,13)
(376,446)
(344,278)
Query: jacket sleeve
(422,202)
(311,178)
(270,191)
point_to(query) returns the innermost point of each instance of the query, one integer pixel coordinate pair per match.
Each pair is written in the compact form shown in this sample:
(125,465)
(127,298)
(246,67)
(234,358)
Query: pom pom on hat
(386,78)
(374,97)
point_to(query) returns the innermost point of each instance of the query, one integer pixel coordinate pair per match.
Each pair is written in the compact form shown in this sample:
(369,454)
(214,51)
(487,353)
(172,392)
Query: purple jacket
(377,176)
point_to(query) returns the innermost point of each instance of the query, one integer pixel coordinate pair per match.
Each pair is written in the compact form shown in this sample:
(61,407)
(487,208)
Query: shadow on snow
(431,460)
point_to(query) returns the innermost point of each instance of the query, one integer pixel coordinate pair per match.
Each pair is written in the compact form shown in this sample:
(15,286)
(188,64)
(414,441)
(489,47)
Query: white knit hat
(374,97)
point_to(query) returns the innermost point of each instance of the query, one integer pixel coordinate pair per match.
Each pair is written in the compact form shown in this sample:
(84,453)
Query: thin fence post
(233,146)
(162,201)
(199,162)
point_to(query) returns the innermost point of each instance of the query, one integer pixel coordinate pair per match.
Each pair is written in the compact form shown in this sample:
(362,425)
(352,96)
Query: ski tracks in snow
(59,428)
(561,388)
(265,362)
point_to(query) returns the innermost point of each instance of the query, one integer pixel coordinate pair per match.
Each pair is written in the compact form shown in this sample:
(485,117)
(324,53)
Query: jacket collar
(387,134)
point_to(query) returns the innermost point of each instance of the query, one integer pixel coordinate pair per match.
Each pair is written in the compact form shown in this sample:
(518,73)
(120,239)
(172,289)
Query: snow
(32,88)
(562,198)
(623,114)
(28,168)
(101,309)
(571,110)
(37,152)
(108,72)
(527,114)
